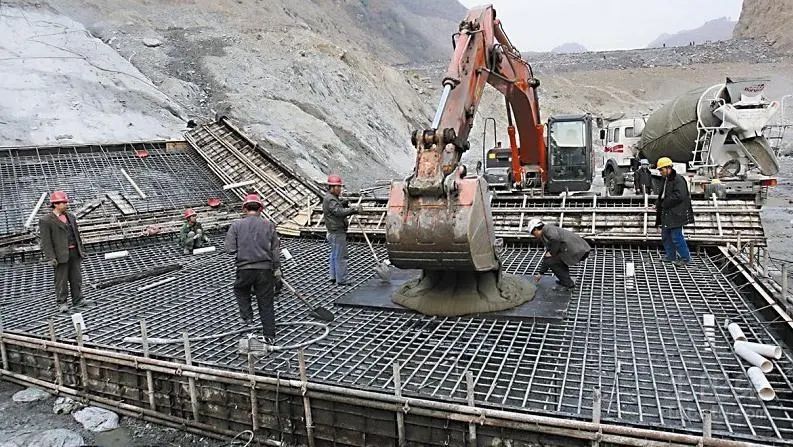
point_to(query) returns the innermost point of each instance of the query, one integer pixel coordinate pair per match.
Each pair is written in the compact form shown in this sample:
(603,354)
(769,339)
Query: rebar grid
(171,179)
(640,339)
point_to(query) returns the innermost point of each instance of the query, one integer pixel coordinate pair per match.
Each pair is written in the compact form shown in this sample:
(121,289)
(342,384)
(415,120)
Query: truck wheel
(612,184)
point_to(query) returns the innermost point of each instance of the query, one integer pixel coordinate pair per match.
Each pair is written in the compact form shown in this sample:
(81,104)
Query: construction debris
(65,405)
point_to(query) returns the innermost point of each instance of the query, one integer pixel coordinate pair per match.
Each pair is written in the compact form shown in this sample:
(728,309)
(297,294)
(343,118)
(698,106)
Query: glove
(53,262)
(345,203)
(200,232)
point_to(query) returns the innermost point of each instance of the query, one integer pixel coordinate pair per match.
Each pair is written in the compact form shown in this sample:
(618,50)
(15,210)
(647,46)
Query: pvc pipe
(116,254)
(736,332)
(202,250)
(767,351)
(134,185)
(752,357)
(761,384)
(630,269)
(238,184)
(156,284)
(36,209)
(286,254)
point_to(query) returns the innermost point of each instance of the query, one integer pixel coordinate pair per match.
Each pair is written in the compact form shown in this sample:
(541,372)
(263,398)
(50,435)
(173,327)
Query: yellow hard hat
(663,162)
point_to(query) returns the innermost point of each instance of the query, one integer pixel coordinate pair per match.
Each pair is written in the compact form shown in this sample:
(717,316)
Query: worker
(672,212)
(336,211)
(254,241)
(63,249)
(563,249)
(192,234)
(643,179)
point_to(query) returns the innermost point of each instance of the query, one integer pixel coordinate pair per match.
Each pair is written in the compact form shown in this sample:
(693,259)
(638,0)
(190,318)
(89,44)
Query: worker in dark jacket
(192,234)
(62,248)
(563,249)
(255,244)
(336,211)
(643,179)
(672,212)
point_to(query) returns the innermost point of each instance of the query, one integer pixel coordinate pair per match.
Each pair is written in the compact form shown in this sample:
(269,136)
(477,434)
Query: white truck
(714,136)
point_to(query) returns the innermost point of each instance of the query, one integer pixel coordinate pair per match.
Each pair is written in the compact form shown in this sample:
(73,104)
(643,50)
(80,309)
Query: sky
(540,25)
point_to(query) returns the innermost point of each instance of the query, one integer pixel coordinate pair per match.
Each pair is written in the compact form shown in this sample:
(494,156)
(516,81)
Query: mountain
(712,30)
(767,19)
(569,47)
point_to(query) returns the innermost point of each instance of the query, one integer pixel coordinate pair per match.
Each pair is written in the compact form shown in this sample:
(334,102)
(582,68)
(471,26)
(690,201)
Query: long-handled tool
(318,312)
(381,268)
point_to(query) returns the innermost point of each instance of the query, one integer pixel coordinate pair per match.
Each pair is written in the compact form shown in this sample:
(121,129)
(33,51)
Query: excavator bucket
(440,233)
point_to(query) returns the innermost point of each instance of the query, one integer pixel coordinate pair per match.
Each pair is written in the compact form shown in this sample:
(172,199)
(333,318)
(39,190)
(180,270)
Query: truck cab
(620,139)
(570,156)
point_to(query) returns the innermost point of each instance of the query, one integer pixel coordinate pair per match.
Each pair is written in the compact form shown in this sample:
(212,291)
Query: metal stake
(301,359)
(55,357)
(149,377)
(188,358)
(400,416)
(254,401)
(784,283)
(751,255)
(469,381)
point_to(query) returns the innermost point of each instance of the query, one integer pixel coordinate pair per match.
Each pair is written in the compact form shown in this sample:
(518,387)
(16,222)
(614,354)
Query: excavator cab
(570,153)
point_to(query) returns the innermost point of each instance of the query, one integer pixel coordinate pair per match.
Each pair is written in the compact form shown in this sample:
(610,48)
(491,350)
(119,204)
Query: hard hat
(252,198)
(214,202)
(335,180)
(58,197)
(188,213)
(534,224)
(645,161)
(663,162)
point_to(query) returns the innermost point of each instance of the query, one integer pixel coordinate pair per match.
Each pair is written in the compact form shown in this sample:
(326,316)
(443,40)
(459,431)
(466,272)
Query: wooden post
(188,358)
(469,383)
(306,401)
(596,410)
(400,416)
(3,352)
(254,400)
(707,424)
(149,376)
(785,283)
(751,255)
(55,356)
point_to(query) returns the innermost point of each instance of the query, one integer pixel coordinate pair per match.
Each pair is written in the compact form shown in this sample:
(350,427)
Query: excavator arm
(439,219)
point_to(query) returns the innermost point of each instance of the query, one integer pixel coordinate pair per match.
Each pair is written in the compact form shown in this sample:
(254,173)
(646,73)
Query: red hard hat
(188,213)
(58,197)
(335,180)
(252,198)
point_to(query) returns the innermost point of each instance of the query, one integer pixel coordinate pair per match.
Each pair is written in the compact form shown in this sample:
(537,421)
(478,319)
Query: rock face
(767,19)
(60,437)
(712,31)
(568,48)
(96,419)
(30,395)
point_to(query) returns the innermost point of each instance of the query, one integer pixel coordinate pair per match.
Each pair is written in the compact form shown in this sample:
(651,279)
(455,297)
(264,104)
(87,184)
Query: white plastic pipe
(134,185)
(746,353)
(286,254)
(116,254)
(238,185)
(202,250)
(736,332)
(36,209)
(630,269)
(761,384)
(156,284)
(767,351)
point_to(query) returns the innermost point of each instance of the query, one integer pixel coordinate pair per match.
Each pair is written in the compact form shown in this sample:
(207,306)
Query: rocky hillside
(711,31)
(767,19)
(312,79)
(569,47)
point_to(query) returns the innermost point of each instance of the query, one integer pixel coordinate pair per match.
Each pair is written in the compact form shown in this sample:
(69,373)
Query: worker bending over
(336,211)
(563,249)
(192,234)
(255,243)
(63,249)
(672,212)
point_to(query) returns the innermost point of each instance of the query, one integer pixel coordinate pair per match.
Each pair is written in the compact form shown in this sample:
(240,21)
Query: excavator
(439,218)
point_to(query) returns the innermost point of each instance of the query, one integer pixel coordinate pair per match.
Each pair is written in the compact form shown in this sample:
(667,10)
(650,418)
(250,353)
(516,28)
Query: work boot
(82,302)
(63,308)
(332,280)
(187,251)
(681,263)
(247,321)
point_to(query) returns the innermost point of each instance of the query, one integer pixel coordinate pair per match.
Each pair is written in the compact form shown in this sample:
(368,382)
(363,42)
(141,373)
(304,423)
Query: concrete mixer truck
(714,135)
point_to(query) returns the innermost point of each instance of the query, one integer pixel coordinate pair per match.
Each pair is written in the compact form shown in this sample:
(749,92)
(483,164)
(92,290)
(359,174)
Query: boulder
(152,42)
(59,437)
(65,405)
(96,419)
(30,395)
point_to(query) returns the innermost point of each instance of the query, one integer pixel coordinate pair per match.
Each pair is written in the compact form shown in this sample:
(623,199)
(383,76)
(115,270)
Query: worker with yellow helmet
(673,212)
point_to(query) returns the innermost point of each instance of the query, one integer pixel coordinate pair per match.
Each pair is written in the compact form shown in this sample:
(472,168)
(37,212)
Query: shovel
(381,269)
(318,312)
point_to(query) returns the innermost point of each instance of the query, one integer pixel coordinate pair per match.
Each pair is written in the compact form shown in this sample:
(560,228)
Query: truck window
(569,159)
(616,138)
(629,132)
